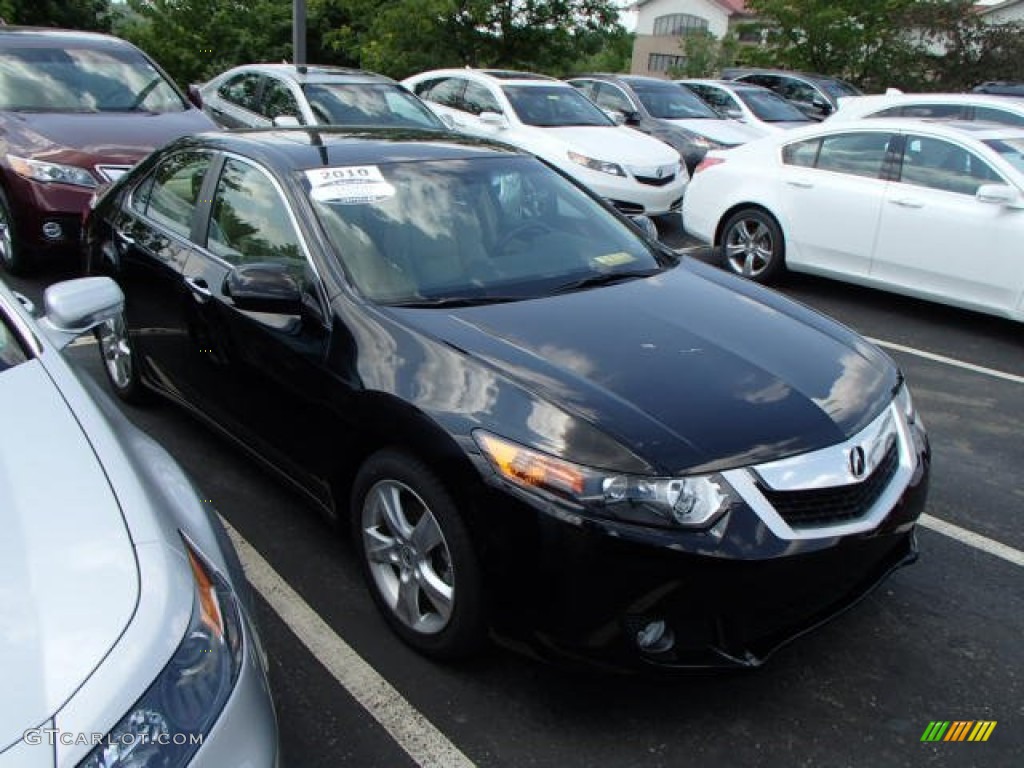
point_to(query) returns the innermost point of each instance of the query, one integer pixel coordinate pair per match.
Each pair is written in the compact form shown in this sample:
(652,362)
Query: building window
(678,24)
(663,62)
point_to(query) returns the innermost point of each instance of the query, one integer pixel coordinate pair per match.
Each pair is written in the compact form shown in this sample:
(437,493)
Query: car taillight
(706,163)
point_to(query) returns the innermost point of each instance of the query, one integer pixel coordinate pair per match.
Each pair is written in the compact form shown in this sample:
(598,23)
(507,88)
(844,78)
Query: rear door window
(856,154)
(242,90)
(938,164)
(173,194)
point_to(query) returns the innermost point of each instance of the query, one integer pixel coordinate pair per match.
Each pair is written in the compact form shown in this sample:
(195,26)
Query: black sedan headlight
(686,502)
(167,725)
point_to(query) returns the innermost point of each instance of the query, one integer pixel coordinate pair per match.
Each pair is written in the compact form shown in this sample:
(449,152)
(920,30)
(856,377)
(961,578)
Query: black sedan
(534,419)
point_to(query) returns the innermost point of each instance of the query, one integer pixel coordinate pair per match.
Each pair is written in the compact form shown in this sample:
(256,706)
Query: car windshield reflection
(368,104)
(83,80)
(442,233)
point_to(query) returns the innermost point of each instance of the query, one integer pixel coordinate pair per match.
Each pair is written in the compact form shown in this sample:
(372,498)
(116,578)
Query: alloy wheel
(750,247)
(408,557)
(116,352)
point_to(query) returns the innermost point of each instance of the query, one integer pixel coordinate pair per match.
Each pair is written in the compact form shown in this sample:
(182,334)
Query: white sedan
(636,173)
(924,208)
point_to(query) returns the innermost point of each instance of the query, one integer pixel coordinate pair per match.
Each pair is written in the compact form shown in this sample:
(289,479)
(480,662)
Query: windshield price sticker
(351,185)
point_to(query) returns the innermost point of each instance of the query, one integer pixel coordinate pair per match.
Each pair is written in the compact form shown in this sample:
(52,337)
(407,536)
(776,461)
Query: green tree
(614,52)
(196,39)
(863,40)
(961,49)
(70,14)
(705,55)
(400,37)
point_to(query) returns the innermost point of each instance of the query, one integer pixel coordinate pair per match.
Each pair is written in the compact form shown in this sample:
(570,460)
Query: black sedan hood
(690,369)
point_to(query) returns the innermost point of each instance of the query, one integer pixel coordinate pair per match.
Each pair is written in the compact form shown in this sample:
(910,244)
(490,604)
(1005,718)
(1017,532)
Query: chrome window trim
(798,473)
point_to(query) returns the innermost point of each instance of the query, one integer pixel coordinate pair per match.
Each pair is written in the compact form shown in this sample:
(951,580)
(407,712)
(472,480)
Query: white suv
(551,119)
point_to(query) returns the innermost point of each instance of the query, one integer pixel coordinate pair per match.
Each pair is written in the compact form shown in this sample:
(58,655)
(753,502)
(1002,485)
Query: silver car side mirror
(999,194)
(75,307)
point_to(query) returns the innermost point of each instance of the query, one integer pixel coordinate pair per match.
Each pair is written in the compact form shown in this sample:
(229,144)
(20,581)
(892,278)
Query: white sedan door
(937,239)
(831,194)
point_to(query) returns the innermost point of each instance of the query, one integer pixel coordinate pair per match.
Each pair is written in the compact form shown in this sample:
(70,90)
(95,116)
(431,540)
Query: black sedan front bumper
(591,593)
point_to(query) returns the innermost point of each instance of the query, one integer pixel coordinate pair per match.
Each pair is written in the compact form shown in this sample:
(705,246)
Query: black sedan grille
(838,504)
(656,182)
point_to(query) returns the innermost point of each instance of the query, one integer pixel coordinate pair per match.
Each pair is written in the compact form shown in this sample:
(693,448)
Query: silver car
(126,634)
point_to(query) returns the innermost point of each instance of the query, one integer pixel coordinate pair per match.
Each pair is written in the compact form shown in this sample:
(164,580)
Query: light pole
(299,33)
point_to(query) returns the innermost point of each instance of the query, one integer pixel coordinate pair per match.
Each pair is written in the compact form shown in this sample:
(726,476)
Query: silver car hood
(69,583)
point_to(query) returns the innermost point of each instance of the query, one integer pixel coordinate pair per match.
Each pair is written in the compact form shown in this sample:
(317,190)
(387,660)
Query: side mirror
(617,117)
(493,119)
(735,114)
(75,307)
(287,121)
(999,194)
(263,287)
(646,225)
(195,96)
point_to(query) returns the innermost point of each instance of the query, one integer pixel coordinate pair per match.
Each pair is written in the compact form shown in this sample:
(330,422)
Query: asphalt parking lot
(941,640)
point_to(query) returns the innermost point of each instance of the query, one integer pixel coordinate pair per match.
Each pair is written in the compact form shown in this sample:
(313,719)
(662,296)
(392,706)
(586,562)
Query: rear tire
(752,245)
(417,557)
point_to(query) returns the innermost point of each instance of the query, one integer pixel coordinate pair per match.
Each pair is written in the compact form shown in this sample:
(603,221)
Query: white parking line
(424,743)
(996,374)
(972,539)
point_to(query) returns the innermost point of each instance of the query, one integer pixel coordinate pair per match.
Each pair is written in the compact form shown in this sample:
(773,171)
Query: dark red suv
(77,110)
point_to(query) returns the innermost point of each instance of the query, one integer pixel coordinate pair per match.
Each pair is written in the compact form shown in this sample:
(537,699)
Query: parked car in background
(927,208)
(664,111)
(127,634)
(952,106)
(532,416)
(756,107)
(635,173)
(263,95)
(1001,88)
(77,110)
(817,96)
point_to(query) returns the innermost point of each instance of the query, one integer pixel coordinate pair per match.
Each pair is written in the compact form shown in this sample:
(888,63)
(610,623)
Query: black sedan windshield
(549,106)
(368,104)
(671,102)
(83,80)
(468,231)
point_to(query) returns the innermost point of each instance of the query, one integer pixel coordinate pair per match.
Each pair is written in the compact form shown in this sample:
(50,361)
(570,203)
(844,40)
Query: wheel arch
(731,211)
(387,422)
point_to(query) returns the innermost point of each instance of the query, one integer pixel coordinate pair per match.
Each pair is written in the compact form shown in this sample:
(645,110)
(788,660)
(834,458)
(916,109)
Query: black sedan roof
(312,147)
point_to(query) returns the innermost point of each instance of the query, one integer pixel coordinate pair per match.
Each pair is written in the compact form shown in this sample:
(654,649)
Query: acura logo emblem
(857,462)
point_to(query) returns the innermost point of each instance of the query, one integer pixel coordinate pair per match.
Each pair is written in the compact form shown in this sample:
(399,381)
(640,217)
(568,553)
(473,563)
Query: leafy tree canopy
(401,37)
(71,14)
(910,44)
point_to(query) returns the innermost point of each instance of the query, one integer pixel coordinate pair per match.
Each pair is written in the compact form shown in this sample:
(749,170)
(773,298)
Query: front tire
(12,255)
(417,557)
(120,362)
(752,245)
